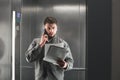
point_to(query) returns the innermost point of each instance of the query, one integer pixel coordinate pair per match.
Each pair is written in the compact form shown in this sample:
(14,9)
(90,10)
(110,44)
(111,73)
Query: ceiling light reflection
(31,9)
(72,8)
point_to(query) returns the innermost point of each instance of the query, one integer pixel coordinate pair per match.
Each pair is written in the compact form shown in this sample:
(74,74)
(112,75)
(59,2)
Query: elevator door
(5,40)
(71,16)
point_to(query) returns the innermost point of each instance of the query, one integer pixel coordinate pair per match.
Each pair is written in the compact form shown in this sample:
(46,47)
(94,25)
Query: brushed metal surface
(71,16)
(5,40)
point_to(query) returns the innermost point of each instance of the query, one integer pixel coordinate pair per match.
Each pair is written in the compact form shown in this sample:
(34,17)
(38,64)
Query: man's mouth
(50,34)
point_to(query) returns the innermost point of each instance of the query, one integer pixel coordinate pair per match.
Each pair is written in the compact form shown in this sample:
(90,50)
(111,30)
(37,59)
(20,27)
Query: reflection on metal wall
(5,40)
(71,16)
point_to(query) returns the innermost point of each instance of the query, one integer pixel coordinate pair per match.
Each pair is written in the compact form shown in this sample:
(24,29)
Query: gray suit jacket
(45,70)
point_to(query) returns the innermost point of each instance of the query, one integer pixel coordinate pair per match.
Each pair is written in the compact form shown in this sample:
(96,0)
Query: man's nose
(51,30)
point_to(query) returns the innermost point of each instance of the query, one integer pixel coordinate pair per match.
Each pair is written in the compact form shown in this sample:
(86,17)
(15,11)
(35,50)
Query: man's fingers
(44,38)
(61,62)
(43,43)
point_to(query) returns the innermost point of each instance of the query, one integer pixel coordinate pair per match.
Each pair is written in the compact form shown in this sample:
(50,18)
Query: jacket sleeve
(33,51)
(69,58)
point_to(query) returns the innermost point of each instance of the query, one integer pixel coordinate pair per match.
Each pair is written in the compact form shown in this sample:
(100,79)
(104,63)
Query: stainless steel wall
(71,16)
(5,39)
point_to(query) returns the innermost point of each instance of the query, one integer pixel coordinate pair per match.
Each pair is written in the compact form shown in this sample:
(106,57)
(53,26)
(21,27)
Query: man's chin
(51,35)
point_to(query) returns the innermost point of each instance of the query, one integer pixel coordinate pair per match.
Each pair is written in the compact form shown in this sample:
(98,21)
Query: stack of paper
(54,52)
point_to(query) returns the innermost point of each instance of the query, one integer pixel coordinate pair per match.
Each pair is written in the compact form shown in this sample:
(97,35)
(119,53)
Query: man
(45,70)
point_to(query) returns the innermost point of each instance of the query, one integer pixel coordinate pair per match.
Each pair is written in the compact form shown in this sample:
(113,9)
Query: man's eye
(49,28)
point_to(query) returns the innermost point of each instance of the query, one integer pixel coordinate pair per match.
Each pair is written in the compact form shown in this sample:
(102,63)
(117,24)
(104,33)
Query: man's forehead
(51,25)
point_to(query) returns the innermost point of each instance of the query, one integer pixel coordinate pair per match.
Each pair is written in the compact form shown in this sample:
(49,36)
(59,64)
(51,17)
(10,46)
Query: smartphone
(45,32)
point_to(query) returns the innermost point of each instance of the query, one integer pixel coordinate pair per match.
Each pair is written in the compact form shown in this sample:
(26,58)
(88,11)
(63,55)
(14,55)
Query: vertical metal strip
(13,45)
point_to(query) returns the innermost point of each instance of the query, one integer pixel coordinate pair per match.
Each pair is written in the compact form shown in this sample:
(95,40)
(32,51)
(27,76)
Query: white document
(53,52)
(48,45)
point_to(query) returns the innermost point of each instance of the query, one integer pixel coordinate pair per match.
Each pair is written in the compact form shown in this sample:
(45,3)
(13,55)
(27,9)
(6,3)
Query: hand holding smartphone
(44,38)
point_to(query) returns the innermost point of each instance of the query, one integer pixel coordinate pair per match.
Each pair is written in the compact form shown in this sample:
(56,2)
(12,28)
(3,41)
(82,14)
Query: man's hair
(50,20)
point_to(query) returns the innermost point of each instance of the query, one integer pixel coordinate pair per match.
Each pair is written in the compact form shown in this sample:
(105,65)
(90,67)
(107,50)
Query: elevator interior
(71,16)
